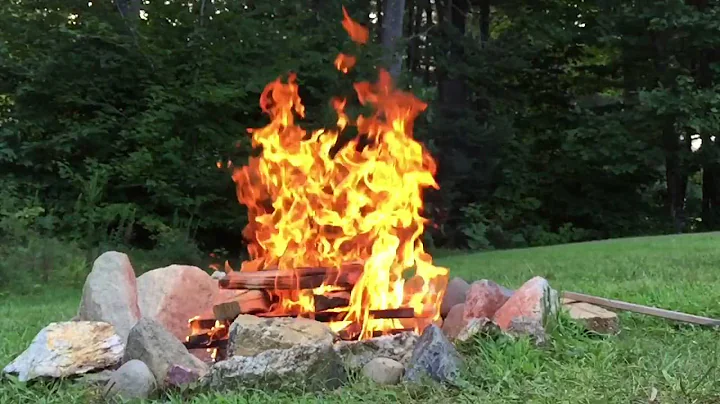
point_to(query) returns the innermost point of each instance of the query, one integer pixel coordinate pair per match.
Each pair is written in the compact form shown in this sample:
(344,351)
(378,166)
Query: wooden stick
(636,308)
(296,279)
(204,341)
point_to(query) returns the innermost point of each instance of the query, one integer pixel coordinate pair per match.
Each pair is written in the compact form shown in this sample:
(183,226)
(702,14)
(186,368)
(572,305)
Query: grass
(680,362)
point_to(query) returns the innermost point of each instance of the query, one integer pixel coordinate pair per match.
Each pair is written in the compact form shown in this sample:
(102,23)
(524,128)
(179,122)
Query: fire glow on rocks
(312,207)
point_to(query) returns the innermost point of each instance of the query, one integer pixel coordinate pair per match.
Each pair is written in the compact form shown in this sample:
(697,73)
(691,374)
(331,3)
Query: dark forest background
(552,121)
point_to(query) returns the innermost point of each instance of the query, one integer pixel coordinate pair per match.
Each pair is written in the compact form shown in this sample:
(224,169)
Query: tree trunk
(484,21)
(392,32)
(129,9)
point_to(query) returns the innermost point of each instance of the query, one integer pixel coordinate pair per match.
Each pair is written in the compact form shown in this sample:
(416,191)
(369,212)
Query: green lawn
(680,361)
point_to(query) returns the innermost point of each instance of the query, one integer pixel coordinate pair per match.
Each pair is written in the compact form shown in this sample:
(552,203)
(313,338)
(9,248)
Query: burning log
(332,316)
(295,279)
(204,341)
(331,300)
(250,302)
(351,331)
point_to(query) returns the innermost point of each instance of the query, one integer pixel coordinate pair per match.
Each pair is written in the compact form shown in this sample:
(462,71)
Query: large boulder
(68,348)
(133,380)
(251,335)
(356,354)
(529,309)
(455,293)
(434,357)
(149,342)
(174,294)
(485,298)
(110,293)
(307,366)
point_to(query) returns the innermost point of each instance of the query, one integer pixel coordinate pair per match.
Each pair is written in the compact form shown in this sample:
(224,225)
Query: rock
(384,371)
(484,298)
(529,308)
(133,380)
(434,356)
(110,293)
(455,321)
(455,294)
(594,318)
(217,275)
(309,366)
(149,342)
(179,375)
(68,348)
(356,354)
(250,335)
(174,294)
(476,326)
(96,378)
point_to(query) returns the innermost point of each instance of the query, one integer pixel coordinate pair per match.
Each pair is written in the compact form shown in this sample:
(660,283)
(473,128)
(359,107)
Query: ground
(680,362)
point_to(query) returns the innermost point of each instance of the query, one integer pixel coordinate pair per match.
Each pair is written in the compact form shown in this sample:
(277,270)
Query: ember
(332,234)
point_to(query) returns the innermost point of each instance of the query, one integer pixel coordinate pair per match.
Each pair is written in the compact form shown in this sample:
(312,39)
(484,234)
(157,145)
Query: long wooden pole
(637,308)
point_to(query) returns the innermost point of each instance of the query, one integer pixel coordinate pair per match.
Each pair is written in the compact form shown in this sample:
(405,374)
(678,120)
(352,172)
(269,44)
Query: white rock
(68,348)
(384,371)
(110,293)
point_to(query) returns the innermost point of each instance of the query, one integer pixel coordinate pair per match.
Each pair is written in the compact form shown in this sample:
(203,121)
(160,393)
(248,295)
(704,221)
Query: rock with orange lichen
(69,348)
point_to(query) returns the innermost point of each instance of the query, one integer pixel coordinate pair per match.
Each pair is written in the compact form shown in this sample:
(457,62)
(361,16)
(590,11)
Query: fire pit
(334,228)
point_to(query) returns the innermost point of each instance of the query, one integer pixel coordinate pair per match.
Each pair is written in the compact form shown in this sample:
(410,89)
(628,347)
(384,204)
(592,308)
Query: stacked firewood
(261,294)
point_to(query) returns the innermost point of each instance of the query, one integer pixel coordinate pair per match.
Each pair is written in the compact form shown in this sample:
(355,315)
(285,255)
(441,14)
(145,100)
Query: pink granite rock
(527,311)
(454,294)
(174,294)
(455,321)
(485,298)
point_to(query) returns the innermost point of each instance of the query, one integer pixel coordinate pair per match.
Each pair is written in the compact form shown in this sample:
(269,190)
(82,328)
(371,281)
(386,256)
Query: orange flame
(312,203)
(357,32)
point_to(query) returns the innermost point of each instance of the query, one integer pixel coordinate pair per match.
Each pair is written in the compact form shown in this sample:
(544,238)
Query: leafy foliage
(552,121)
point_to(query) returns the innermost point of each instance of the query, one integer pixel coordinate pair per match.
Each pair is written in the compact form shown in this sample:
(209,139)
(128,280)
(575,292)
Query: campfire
(334,229)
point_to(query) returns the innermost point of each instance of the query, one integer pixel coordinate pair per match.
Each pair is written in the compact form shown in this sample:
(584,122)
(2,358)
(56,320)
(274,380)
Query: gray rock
(68,348)
(251,335)
(434,356)
(95,378)
(356,354)
(384,371)
(174,294)
(529,309)
(110,293)
(149,342)
(455,294)
(217,275)
(131,381)
(310,366)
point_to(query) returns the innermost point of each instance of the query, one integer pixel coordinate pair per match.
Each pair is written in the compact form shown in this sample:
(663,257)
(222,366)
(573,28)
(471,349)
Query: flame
(357,32)
(311,203)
